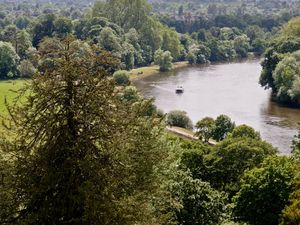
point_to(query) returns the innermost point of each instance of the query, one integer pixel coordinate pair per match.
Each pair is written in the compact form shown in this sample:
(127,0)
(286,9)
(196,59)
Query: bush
(129,95)
(121,78)
(179,119)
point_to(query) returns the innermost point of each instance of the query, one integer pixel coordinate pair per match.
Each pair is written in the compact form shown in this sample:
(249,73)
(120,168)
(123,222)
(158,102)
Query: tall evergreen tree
(79,155)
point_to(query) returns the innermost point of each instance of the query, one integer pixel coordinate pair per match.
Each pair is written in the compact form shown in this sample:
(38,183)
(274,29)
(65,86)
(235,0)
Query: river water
(231,89)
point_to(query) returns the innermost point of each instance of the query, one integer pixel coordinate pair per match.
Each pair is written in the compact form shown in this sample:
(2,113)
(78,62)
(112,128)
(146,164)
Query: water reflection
(230,89)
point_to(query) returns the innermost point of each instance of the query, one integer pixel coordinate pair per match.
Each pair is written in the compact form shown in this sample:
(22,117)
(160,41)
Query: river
(231,89)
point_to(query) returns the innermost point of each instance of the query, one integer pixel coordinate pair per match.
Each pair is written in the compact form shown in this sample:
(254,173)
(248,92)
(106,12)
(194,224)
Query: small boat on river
(179,90)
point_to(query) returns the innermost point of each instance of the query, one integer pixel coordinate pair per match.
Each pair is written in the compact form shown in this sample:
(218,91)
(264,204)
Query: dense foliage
(179,119)
(280,66)
(265,191)
(70,160)
(134,34)
(217,129)
(82,146)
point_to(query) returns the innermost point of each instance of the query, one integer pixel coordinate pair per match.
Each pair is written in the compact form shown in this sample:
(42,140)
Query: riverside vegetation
(84,147)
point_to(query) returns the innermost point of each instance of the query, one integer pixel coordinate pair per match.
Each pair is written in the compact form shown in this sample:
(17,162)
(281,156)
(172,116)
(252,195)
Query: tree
(241,45)
(259,46)
(26,69)
(63,26)
(191,58)
(296,145)
(42,28)
(274,54)
(227,33)
(76,160)
(245,131)
(129,95)
(8,60)
(201,204)
(171,42)
(121,77)
(126,13)
(223,126)
(265,191)
(180,10)
(151,38)
(23,43)
(33,56)
(6,193)
(230,158)
(205,128)
(179,119)
(9,34)
(284,76)
(212,9)
(22,22)
(109,40)
(254,32)
(128,55)
(201,52)
(291,213)
(292,27)
(194,158)
(163,59)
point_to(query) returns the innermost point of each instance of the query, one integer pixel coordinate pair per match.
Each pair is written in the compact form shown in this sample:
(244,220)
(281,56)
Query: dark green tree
(76,159)
(230,158)
(42,28)
(201,204)
(63,26)
(223,126)
(265,191)
(205,128)
(245,131)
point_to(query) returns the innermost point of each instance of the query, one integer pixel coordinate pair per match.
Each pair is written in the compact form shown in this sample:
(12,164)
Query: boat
(179,90)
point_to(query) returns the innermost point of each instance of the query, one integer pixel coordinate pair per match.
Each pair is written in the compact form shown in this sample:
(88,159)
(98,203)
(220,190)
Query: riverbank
(142,72)
(187,134)
(234,91)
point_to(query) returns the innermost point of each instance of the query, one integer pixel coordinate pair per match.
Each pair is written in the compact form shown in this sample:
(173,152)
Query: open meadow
(8,90)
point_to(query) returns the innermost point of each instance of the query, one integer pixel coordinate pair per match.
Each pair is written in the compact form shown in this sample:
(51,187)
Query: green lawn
(6,91)
(143,72)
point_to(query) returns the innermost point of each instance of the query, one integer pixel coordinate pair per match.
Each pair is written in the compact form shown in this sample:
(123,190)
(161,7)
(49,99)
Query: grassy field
(152,70)
(6,91)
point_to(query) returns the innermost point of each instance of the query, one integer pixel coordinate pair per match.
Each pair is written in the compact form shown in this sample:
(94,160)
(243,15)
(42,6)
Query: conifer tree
(81,156)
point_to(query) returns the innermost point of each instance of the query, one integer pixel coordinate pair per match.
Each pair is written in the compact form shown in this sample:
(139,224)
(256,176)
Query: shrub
(179,119)
(121,78)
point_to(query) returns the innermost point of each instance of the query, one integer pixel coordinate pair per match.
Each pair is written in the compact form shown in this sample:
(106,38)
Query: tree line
(128,29)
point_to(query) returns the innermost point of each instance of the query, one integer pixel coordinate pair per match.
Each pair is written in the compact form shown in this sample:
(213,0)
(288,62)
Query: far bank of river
(227,88)
(143,72)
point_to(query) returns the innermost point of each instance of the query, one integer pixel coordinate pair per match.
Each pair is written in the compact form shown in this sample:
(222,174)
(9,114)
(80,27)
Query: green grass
(7,89)
(186,131)
(143,72)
